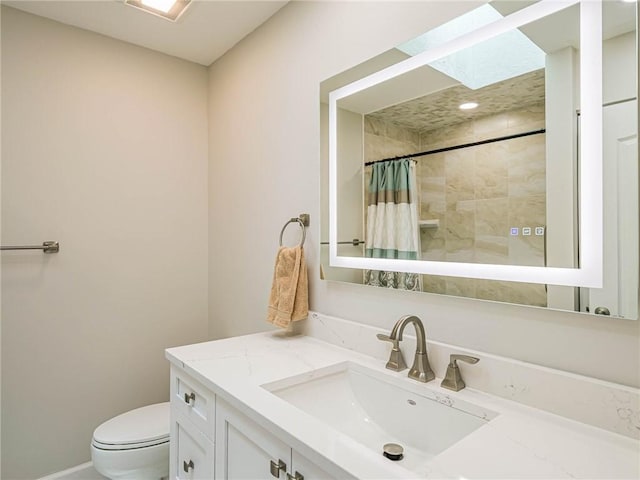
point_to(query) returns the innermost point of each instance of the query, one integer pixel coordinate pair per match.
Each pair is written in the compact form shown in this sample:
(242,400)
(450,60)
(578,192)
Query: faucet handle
(453,378)
(396,360)
(464,358)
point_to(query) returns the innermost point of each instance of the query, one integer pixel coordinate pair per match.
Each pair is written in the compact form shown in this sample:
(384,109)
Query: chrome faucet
(420,371)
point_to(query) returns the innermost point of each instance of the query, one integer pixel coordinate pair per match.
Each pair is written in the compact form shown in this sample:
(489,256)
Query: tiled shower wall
(478,194)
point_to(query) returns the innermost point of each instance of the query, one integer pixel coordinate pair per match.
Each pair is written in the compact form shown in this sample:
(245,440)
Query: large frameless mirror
(466,161)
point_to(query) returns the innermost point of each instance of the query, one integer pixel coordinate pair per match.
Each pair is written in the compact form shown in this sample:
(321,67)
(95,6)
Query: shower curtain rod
(457,147)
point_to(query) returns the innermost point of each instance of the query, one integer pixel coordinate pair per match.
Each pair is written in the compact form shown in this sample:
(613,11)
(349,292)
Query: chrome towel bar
(46,247)
(355,242)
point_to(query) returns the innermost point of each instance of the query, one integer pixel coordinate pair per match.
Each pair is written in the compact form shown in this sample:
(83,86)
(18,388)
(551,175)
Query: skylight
(505,56)
(162,5)
(169,9)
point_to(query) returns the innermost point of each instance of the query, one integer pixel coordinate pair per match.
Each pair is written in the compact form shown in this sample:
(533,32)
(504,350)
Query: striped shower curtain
(392,222)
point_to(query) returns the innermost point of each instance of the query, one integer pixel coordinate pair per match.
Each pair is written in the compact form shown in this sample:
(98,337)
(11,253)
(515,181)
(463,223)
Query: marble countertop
(521,442)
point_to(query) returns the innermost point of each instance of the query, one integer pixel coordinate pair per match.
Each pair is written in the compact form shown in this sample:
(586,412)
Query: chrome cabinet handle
(188,398)
(187,466)
(276,467)
(296,476)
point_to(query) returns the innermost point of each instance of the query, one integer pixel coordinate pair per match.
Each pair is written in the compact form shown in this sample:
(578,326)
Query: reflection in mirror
(496,183)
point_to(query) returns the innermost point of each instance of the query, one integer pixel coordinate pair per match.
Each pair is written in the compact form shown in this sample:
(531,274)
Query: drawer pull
(276,467)
(187,466)
(189,397)
(297,476)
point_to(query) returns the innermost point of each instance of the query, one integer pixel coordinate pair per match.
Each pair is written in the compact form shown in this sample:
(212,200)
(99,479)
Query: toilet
(133,445)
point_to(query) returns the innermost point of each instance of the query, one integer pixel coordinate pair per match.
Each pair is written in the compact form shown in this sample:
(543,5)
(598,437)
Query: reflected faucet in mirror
(420,370)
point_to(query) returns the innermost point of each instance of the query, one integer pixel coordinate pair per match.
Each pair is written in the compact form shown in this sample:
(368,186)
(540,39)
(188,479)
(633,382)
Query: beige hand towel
(289,299)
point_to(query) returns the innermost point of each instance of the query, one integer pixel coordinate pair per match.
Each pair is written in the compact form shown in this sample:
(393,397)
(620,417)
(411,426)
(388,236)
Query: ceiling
(441,109)
(206,30)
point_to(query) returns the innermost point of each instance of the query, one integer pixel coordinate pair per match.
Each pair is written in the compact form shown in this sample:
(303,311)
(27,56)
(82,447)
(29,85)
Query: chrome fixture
(188,398)
(275,468)
(420,371)
(602,311)
(393,451)
(458,147)
(46,247)
(303,221)
(187,466)
(453,378)
(355,242)
(396,360)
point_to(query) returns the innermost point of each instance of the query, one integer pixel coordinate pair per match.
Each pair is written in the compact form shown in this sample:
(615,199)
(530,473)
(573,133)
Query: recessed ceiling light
(468,106)
(168,9)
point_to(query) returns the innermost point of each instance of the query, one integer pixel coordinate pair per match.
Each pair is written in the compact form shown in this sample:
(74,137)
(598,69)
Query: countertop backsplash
(595,402)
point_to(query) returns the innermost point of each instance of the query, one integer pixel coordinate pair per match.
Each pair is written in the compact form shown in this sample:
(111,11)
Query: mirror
(499,188)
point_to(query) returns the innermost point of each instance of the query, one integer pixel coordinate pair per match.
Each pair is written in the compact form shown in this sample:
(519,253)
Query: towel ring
(294,220)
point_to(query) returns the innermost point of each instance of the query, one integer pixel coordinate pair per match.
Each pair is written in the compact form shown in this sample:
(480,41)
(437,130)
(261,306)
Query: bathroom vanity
(322,405)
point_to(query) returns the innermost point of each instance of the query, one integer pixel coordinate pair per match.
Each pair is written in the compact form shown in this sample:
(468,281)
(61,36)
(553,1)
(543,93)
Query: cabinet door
(244,450)
(304,467)
(191,453)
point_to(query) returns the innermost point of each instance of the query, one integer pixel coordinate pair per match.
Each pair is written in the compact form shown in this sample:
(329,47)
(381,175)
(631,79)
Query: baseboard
(84,471)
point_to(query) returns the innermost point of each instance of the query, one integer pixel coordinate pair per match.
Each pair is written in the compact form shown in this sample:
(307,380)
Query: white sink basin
(375,409)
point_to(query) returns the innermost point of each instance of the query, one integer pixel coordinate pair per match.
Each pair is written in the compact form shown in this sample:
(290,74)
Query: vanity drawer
(193,452)
(193,401)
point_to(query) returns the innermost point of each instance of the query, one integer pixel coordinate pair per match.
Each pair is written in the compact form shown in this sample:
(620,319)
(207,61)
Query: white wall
(105,150)
(264,168)
(264,142)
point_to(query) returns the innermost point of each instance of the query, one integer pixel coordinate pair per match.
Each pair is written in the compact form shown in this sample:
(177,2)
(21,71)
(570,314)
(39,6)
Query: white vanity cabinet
(212,440)
(191,450)
(245,450)
(234,416)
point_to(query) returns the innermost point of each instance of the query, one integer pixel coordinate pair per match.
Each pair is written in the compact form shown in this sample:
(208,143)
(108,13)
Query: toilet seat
(128,446)
(143,427)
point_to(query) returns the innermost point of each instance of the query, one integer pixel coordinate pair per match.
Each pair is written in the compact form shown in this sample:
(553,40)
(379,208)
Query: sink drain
(393,451)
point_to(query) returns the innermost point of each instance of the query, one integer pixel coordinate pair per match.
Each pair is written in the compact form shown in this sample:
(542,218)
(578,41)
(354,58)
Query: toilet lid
(142,425)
